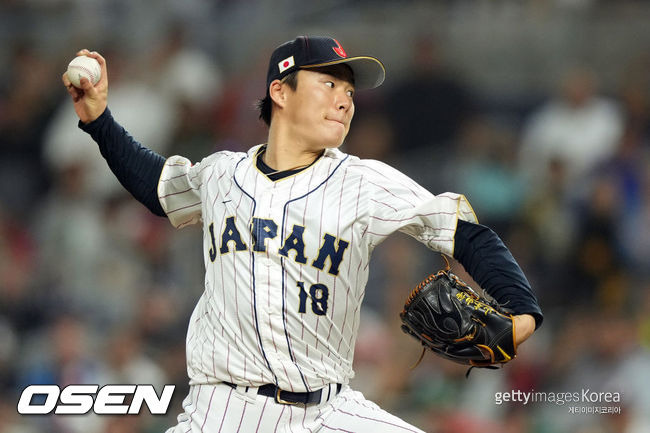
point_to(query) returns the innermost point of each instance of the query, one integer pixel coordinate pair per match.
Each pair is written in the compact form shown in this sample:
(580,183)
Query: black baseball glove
(455,322)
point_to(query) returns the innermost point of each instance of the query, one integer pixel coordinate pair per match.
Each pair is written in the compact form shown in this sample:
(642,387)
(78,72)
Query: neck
(284,152)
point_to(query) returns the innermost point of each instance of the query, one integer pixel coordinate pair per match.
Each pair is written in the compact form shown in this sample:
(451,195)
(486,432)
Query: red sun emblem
(338,49)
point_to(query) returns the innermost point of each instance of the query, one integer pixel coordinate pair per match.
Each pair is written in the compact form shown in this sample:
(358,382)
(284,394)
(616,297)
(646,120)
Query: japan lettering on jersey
(287,261)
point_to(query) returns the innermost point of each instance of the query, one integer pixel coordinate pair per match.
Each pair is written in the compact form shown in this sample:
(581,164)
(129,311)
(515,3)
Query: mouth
(340,122)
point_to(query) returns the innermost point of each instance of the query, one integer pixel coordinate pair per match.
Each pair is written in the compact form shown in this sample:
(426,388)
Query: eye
(350,93)
(329,84)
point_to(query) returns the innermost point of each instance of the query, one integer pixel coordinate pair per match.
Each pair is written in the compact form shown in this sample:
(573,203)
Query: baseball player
(289,227)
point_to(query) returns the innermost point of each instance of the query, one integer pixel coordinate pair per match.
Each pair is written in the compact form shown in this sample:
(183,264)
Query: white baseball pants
(220,408)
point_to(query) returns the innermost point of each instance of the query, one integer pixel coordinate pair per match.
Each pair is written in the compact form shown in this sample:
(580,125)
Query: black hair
(266,104)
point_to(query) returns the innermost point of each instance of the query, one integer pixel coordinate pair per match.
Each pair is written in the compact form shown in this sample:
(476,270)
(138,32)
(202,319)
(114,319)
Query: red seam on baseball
(92,76)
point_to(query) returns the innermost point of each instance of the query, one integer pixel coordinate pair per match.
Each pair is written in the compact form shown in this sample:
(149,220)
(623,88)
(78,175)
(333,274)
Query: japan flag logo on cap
(285,64)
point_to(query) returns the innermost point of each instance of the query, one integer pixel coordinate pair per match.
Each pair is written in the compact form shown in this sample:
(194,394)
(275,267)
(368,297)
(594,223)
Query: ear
(278,92)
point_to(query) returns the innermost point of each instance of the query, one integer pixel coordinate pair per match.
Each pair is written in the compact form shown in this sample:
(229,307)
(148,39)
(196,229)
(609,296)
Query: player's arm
(487,259)
(441,223)
(137,168)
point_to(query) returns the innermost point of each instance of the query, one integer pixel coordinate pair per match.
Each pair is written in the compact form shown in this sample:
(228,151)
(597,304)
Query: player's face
(321,108)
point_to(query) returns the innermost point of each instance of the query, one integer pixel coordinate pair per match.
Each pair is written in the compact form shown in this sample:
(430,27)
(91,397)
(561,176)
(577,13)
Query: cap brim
(368,71)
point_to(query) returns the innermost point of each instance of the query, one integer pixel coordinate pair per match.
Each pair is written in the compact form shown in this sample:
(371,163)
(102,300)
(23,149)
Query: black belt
(288,397)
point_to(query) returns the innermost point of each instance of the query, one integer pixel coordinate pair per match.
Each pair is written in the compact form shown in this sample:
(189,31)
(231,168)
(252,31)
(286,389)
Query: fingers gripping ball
(455,322)
(83,67)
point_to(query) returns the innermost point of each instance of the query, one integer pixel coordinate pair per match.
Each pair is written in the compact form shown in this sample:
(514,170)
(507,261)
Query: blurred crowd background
(537,110)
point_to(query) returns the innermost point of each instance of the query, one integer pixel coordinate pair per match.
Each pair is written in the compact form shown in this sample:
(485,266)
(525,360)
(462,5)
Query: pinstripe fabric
(221,409)
(287,261)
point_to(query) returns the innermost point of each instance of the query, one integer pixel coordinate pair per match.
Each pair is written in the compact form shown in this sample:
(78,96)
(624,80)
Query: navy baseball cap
(307,52)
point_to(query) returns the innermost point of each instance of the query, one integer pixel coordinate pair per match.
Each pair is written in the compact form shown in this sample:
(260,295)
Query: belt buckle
(279,399)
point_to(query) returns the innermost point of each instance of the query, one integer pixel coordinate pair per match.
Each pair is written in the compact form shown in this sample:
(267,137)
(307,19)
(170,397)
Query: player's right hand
(89,101)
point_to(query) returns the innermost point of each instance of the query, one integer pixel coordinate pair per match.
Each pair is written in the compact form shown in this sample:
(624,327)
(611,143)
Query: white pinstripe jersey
(287,261)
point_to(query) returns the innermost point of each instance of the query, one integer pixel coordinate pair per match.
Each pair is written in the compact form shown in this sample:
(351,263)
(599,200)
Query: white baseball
(83,66)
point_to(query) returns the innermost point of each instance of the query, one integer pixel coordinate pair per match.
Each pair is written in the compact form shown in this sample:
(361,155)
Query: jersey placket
(270,300)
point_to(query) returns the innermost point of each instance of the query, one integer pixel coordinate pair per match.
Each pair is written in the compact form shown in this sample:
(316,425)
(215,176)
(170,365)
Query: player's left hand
(524,325)
(446,316)
(89,101)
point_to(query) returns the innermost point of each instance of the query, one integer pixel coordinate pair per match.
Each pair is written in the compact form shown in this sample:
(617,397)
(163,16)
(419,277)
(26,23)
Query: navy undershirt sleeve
(137,168)
(486,258)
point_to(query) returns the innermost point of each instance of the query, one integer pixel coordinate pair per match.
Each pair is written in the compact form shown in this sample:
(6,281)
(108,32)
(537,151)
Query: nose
(343,101)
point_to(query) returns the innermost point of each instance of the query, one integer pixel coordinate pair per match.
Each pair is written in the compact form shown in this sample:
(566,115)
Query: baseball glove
(455,322)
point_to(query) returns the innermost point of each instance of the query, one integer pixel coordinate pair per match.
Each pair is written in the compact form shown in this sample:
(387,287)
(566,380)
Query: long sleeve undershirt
(486,258)
(136,167)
